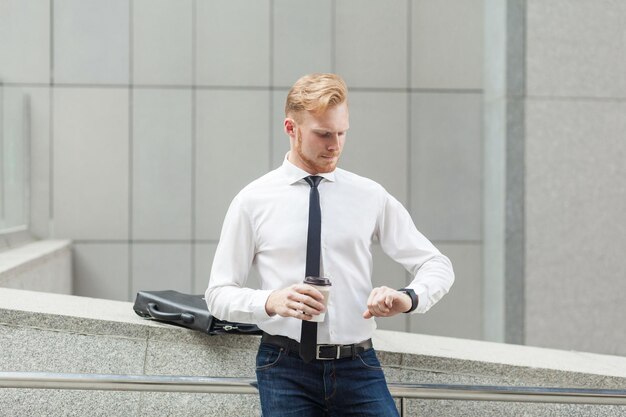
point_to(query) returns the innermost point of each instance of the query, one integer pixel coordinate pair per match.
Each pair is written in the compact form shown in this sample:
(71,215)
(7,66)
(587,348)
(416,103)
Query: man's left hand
(386,302)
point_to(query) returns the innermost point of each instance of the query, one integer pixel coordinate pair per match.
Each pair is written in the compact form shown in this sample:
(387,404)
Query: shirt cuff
(422,298)
(258,305)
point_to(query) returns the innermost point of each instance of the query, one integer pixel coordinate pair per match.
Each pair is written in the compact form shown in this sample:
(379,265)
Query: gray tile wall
(12,104)
(233,43)
(162,151)
(14,148)
(371,43)
(377,142)
(26,24)
(162,42)
(91,41)
(151,115)
(90,163)
(302,36)
(446,49)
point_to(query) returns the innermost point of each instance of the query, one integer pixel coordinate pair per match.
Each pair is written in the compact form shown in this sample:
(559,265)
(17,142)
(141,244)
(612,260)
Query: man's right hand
(301,301)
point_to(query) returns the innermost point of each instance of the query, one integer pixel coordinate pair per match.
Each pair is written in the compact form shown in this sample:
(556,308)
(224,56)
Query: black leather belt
(322,352)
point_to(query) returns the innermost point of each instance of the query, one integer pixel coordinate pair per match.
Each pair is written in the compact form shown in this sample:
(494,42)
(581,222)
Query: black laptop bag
(186,310)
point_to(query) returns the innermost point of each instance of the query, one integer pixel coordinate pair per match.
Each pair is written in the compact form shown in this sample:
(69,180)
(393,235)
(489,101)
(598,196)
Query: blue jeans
(289,387)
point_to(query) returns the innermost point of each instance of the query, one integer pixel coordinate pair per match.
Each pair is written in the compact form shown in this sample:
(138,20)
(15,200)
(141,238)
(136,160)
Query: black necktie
(308,336)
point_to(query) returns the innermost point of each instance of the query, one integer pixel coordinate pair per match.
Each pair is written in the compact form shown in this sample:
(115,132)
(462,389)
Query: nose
(333,142)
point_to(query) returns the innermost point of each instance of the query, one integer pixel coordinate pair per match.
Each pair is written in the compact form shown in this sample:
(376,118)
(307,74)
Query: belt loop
(353,352)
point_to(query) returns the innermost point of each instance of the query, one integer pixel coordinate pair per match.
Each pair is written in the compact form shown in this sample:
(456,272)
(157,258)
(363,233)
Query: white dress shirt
(266,229)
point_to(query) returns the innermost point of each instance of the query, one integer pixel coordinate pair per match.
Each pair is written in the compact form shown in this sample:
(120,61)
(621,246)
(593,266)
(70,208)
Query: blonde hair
(315,93)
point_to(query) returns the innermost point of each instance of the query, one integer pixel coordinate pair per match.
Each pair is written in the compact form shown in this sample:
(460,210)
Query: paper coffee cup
(322,285)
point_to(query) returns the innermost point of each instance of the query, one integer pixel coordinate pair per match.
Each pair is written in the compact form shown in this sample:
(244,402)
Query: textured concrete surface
(470,354)
(575,49)
(442,408)
(575,228)
(193,405)
(68,334)
(67,403)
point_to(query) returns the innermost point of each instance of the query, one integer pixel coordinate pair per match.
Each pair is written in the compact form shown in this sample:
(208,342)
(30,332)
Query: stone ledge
(403,351)
(44,265)
(501,353)
(26,256)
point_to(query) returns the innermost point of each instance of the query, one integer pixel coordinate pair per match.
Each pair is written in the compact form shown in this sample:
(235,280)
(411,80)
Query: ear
(290,127)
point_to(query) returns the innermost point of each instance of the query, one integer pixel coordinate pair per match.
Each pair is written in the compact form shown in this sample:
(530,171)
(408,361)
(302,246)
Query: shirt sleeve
(399,238)
(226,296)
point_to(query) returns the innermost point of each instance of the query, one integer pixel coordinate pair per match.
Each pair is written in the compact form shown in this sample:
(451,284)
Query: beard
(318,165)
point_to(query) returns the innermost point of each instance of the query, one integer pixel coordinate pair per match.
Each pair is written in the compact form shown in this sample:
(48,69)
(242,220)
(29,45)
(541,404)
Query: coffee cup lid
(322,281)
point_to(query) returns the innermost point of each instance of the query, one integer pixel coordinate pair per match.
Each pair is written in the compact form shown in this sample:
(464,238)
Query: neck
(293,158)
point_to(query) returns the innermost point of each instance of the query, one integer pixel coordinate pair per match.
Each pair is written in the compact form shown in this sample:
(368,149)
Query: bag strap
(159,315)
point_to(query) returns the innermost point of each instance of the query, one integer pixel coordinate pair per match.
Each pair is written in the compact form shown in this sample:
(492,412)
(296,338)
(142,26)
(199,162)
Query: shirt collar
(294,174)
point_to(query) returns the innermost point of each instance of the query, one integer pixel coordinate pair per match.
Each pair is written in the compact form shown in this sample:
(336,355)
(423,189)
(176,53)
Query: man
(273,225)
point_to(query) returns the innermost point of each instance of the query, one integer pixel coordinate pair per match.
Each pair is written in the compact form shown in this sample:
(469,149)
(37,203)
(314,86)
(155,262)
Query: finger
(381,303)
(389,301)
(367,314)
(303,316)
(288,311)
(297,310)
(374,297)
(299,294)
(375,310)
(296,306)
(382,309)
(314,306)
(312,292)
(308,309)
(373,301)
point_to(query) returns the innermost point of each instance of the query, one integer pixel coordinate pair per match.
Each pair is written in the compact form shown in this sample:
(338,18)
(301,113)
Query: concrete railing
(55,333)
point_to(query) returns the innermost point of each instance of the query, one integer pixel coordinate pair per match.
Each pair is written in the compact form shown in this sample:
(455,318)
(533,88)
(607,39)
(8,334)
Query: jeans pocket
(368,360)
(268,356)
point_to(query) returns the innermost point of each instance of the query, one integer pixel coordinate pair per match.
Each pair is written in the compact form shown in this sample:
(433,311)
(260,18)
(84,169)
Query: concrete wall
(38,266)
(555,174)
(575,190)
(504,165)
(148,116)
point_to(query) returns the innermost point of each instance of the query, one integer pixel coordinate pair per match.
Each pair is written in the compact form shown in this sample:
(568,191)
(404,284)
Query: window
(14,161)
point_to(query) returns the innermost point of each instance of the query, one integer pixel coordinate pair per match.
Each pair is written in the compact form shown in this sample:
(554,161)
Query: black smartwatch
(413,296)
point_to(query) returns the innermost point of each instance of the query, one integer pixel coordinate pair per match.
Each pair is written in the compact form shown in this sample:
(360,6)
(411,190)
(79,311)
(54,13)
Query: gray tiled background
(554,184)
(149,115)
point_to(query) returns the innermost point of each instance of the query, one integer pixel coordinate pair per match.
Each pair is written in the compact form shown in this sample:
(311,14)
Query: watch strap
(414,299)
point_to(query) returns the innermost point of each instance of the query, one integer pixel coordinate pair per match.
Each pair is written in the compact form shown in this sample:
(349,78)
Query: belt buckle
(317,352)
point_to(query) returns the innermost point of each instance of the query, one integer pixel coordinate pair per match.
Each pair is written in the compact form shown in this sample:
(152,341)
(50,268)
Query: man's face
(317,139)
